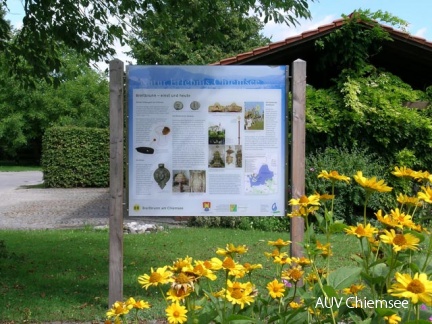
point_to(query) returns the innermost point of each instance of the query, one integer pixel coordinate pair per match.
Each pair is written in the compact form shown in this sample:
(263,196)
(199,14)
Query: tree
(182,39)
(90,27)
(81,99)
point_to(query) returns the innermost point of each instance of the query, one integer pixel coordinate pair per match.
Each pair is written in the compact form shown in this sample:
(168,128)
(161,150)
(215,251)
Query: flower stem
(368,194)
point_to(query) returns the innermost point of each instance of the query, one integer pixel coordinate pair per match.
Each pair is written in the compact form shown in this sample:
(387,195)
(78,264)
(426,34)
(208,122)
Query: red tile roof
(320,31)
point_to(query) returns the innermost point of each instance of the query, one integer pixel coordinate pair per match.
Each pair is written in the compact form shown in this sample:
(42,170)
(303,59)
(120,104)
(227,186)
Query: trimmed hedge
(75,157)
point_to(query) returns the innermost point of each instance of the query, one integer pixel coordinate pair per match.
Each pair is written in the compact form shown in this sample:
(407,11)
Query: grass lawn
(62,275)
(18,168)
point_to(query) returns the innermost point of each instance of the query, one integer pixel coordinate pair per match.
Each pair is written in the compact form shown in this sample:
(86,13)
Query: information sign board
(206,140)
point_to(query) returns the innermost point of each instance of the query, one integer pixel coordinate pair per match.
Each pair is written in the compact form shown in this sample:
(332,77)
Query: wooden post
(298,150)
(116,183)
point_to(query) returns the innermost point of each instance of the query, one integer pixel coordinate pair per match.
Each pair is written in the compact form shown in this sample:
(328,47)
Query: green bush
(75,157)
(276,224)
(349,199)
(367,110)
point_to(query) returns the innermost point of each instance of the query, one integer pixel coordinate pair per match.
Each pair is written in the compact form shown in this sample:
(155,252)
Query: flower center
(416,287)
(182,278)
(176,313)
(237,294)
(360,230)
(228,263)
(275,289)
(207,264)
(295,274)
(303,200)
(155,277)
(399,239)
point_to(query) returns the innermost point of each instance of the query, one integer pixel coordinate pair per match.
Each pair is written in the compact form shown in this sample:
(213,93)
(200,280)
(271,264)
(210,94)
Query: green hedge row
(75,157)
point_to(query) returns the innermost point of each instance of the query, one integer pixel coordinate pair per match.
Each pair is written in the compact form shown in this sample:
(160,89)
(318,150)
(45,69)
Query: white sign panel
(206,140)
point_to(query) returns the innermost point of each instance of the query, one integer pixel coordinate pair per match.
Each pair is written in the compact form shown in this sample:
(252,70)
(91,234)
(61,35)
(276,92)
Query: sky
(418,13)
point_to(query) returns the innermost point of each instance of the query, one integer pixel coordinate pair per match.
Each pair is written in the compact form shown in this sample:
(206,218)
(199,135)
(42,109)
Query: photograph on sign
(206,140)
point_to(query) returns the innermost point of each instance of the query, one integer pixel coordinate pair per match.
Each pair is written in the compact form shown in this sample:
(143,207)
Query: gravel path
(22,208)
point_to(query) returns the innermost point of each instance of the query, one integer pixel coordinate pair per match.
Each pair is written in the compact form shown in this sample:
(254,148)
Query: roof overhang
(406,56)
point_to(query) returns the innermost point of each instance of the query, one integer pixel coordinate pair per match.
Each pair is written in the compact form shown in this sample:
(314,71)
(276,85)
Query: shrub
(367,110)
(276,224)
(349,199)
(75,157)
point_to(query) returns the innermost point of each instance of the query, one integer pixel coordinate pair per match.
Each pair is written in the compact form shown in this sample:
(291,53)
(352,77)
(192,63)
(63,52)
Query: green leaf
(337,227)
(330,291)
(240,319)
(344,277)
(385,311)
(380,270)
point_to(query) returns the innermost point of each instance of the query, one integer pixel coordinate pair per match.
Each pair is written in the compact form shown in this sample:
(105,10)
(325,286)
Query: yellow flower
(200,270)
(404,172)
(325,196)
(303,211)
(401,218)
(393,319)
(293,274)
(311,278)
(304,262)
(219,294)
(176,313)
(214,264)
(119,308)
(409,201)
(333,176)
(295,305)
(371,184)
(228,264)
(425,195)
(418,288)
(282,259)
(177,295)
(361,231)
(160,276)
(325,249)
(353,289)
(322,272)
(251,267)
(423,175)
(183,281)
(276,289)
(279,243)
(400,242)
(387,220)
(231,249)
(239,293)
(140,304)
(273,254)
(304,201)
(180,263)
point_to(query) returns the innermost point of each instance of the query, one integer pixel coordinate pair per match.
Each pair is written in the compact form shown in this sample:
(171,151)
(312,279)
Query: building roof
(407,56)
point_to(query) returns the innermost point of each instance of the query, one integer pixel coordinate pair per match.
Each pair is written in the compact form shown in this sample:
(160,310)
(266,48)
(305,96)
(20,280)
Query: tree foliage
(81,99)
(182,39)
(90,27)
(357,40)
(365,107)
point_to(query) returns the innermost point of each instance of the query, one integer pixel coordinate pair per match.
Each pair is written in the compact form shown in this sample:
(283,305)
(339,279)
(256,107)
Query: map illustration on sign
(261,178)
